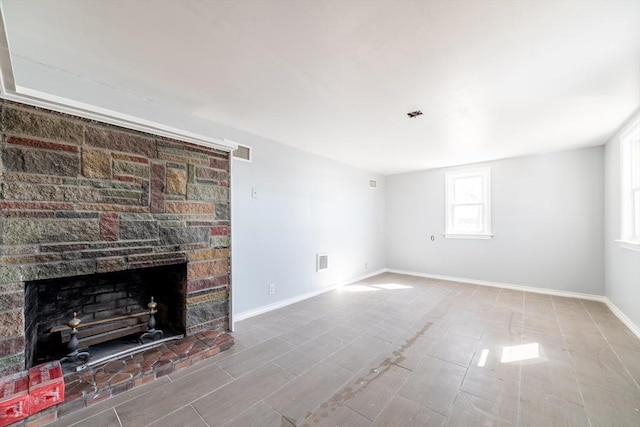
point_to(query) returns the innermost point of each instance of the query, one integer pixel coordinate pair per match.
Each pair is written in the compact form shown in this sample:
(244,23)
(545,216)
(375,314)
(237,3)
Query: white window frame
(630,186)
(485,203)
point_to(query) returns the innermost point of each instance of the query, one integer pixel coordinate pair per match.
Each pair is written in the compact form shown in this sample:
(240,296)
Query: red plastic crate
(14,398)
(46,386)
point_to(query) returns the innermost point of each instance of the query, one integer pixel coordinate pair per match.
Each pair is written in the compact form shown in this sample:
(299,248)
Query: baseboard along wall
(288,301)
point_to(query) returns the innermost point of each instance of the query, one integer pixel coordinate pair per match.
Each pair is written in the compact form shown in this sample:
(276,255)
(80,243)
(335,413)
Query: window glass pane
(636,213)
(467,219)
(630,183)
(467,190)
(468,202)
(635,164)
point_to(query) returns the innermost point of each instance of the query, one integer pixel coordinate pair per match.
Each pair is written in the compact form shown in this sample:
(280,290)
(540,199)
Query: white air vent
(373,183)
(242,153)
(322,262)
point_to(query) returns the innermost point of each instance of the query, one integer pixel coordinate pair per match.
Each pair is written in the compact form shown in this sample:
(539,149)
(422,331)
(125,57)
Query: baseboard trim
(600,298)
(288,301)
(623,318)
(545,291)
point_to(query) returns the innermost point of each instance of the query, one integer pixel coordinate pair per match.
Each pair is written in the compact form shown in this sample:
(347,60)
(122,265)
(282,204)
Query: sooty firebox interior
(51,303)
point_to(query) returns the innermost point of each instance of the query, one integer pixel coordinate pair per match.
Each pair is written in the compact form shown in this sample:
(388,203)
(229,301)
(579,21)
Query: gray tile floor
(398,350)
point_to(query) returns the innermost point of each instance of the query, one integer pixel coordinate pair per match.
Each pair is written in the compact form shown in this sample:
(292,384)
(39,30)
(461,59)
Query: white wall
(547,216)
(622,266)
(306,204)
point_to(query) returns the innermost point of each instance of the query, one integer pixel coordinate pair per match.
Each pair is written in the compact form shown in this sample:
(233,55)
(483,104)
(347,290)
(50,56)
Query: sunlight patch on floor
(372,288)
(392,286)
(520,352)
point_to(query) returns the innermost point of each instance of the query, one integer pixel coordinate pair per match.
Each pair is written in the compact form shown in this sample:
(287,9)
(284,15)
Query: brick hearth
(103,381)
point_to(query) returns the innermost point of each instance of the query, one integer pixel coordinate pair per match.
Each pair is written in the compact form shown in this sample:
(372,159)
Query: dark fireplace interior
(51,303)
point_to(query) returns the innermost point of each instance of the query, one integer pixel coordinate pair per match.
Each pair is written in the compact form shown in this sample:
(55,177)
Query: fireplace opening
(100,300)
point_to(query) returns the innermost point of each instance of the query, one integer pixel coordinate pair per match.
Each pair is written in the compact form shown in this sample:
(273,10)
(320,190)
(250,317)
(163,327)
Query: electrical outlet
(272,289)
(366,265)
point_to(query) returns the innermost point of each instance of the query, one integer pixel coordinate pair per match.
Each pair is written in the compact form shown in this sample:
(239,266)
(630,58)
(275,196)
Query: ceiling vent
(322,262)
(373,183)
(242,153)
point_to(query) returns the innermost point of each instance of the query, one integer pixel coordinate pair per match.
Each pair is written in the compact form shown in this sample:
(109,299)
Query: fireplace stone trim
(80,197)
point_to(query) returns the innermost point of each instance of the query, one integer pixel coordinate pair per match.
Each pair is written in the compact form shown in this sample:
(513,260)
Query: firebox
(100,300)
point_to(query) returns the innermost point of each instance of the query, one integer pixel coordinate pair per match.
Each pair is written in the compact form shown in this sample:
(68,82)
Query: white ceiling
(494,79)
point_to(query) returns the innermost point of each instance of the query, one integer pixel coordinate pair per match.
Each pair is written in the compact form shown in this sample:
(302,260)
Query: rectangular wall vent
(322,262)
(242,153)
(373,183)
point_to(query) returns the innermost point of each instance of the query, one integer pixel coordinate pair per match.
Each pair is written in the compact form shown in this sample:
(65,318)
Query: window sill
(626,244)
(468,236)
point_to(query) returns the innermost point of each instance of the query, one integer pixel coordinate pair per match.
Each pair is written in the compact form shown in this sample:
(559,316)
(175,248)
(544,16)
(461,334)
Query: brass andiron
(72,346)
(151,332)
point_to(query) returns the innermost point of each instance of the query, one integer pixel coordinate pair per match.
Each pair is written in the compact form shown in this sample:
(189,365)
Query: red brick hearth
(100,382)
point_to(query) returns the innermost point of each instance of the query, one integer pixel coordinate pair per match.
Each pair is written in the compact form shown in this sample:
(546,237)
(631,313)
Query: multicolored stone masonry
(80,197)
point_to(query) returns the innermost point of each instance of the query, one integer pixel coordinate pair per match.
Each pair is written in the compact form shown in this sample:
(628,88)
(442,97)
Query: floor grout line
(610,346)
(573,366)
(117,417)
(198,413)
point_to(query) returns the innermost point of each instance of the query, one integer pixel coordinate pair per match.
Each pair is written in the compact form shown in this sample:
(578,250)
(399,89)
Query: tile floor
(398,350)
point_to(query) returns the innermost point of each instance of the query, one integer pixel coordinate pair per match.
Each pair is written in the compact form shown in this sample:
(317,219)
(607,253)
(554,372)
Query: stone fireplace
(104,216)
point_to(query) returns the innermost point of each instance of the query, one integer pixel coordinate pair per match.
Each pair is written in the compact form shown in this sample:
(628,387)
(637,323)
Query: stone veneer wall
(81,197)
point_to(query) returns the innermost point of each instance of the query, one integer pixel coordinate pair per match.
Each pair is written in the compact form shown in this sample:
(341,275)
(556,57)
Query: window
(468,204)
(630,186)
